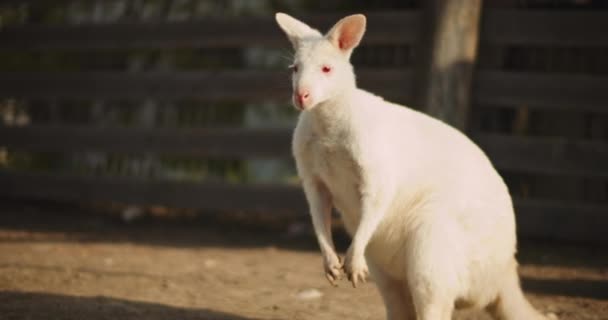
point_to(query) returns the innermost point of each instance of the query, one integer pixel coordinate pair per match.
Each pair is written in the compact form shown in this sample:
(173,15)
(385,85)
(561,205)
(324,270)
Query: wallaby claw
(333,269)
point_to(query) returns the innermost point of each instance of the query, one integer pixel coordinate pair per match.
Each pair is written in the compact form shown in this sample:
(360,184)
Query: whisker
(287,54)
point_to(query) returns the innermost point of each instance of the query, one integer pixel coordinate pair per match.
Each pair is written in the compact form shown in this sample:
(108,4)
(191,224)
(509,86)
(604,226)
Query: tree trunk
(448,55)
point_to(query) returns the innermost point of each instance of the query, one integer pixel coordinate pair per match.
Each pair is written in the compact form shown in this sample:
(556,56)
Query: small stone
(132,213)
(309,294)
(552,308)
(210,263)
(108,261)
(297,229)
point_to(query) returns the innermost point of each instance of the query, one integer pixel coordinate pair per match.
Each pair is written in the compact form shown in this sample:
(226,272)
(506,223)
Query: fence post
(447,58)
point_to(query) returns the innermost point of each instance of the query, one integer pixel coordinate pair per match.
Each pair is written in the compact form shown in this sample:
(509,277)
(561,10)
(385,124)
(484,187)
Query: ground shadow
(60,223)
(46,225)
(554,253)
(73,224)
(22,305)
(582,288)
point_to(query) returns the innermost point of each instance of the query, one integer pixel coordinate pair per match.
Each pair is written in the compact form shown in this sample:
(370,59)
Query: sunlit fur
(430,217)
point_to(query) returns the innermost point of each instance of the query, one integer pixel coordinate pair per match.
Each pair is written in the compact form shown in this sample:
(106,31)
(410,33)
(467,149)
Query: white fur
(430,217)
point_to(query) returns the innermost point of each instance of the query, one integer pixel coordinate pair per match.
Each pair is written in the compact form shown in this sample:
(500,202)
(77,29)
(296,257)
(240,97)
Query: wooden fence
(492,88)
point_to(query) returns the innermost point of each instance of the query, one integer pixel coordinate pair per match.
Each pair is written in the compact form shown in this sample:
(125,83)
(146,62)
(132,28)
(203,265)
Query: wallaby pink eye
(294,68)
(326,69)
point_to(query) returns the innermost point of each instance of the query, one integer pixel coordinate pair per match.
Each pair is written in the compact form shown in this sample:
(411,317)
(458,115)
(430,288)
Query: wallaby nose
(302,96)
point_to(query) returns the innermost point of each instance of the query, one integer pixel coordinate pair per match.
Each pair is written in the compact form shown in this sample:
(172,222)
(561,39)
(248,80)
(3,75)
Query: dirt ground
(86,266)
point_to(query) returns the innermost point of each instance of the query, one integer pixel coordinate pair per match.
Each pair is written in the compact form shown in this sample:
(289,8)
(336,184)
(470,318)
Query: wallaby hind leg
(511,304)
(434,309)
(395,293)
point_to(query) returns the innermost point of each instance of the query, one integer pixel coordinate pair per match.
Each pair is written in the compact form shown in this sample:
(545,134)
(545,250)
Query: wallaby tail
(511,304)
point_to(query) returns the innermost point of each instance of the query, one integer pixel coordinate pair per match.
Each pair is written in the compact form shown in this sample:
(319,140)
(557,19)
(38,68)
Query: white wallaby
(430,217)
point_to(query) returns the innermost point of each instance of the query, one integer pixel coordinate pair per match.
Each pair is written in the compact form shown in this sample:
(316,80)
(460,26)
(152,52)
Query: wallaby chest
(333,160)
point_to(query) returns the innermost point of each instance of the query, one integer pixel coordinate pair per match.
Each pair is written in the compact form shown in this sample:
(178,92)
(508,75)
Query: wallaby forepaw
(357,275)
(355,268)
(333,268)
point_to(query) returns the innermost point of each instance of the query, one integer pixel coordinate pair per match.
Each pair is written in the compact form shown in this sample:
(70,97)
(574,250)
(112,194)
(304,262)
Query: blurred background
(185,104)
(155,109)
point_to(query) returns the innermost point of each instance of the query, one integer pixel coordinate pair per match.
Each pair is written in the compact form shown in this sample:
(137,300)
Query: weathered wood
(537,27)
(537,90)
(181,194)
(563,221)
(384,28)
(205,142)
(545,27)
(249,85)
(448,55)
(210,85)
(550,156)
(492,88)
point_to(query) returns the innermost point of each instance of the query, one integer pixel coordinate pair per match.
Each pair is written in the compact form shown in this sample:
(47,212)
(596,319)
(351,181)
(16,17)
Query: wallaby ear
(347,33)
(295,29)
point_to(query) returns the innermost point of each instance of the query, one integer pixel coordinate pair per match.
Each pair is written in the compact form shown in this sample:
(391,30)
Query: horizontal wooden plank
(537,155)
(492,88)
(499,26)
(563,221)
(211,196)
(242,85)
(544,27)
(397,27)
(236,85)
(538,219)
(541,90)
(207,142)
(551,156)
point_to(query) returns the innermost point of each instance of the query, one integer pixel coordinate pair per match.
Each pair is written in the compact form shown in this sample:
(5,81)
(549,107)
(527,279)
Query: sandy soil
(58,266)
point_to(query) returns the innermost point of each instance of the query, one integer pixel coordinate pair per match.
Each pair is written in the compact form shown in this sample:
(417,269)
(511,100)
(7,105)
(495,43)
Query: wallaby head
(321,68)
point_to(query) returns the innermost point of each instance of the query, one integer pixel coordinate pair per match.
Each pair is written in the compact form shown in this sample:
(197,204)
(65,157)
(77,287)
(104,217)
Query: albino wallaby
(430,217)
